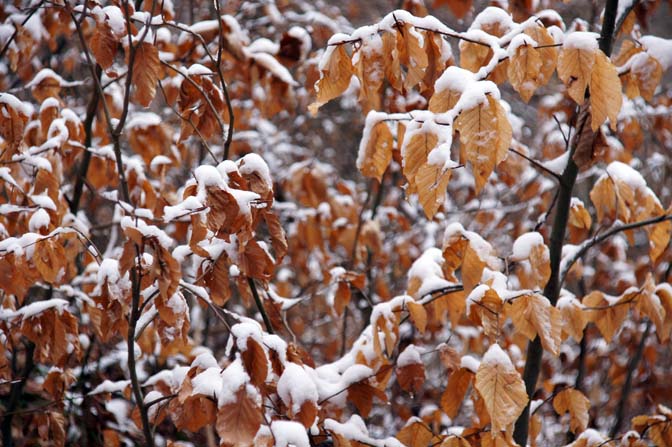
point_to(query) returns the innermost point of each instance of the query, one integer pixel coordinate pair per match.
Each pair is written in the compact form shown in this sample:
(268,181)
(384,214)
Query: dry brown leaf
(455,441)
(377,152)
(524,65)
(575,66)
(459,8)
(239,420)
(418,315)
(608,315)
(335,77)
(414,154)
(452,397)
(255,362)
(411,377)
(533,315)
(502,389)
(486,134)
(578,405)
(146,72)
(415,434)
(411,54)
(605,92)
(431,181)
(574,319)
(104,44)
(370,70)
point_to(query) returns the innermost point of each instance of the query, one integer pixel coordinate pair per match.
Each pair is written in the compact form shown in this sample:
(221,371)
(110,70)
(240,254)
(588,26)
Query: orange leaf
(335,73)
(146,68)
(578,405)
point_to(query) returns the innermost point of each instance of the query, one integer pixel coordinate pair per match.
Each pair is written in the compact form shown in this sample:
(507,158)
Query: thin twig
(627,385)
(536,164)
(260,306)
(587,245)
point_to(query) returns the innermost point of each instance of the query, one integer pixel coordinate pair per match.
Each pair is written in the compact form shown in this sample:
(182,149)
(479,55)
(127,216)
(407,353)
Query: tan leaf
(411,377)
(439,57)
(487,310)
(533,315)
(647,73)
(574,319)
(486,134)
(415,434)
(411,54)
(146,69)
(239,420)
(418,315)
(450,359)
(659,239)
(335,75)
(370,70)
(417,147)
(608,315)
(393,71)
(459,8)
(502,389)
(361,394)
(455,441)
(578,405)
(104,44)
(575,65)
(605,92)
(255,362)
(431,181)
(375,150)
(524,66)
(649,304)
(549,55)
(452,397)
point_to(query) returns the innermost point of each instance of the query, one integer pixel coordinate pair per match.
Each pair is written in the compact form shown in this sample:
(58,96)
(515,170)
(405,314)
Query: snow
(109,386)
(289,433)
(659,48)
(409,356)
(274,67)
(263,45)
(233,378)
(620,171)
(209,382)
(15,103)
(253,164)
(296,387)
(208,176)
(49,102)
(519,41)
(469,362)
(45,73)
(143,120)
(355,429)
(198,70)
(40,219)
(116,20)
(475,296)
(491,16)
(524,245)
(427,268)
(372,118)
(147,230)
(160,160)
(496,355)
(248,329)
(581,40)
(592,437)
(302,35)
